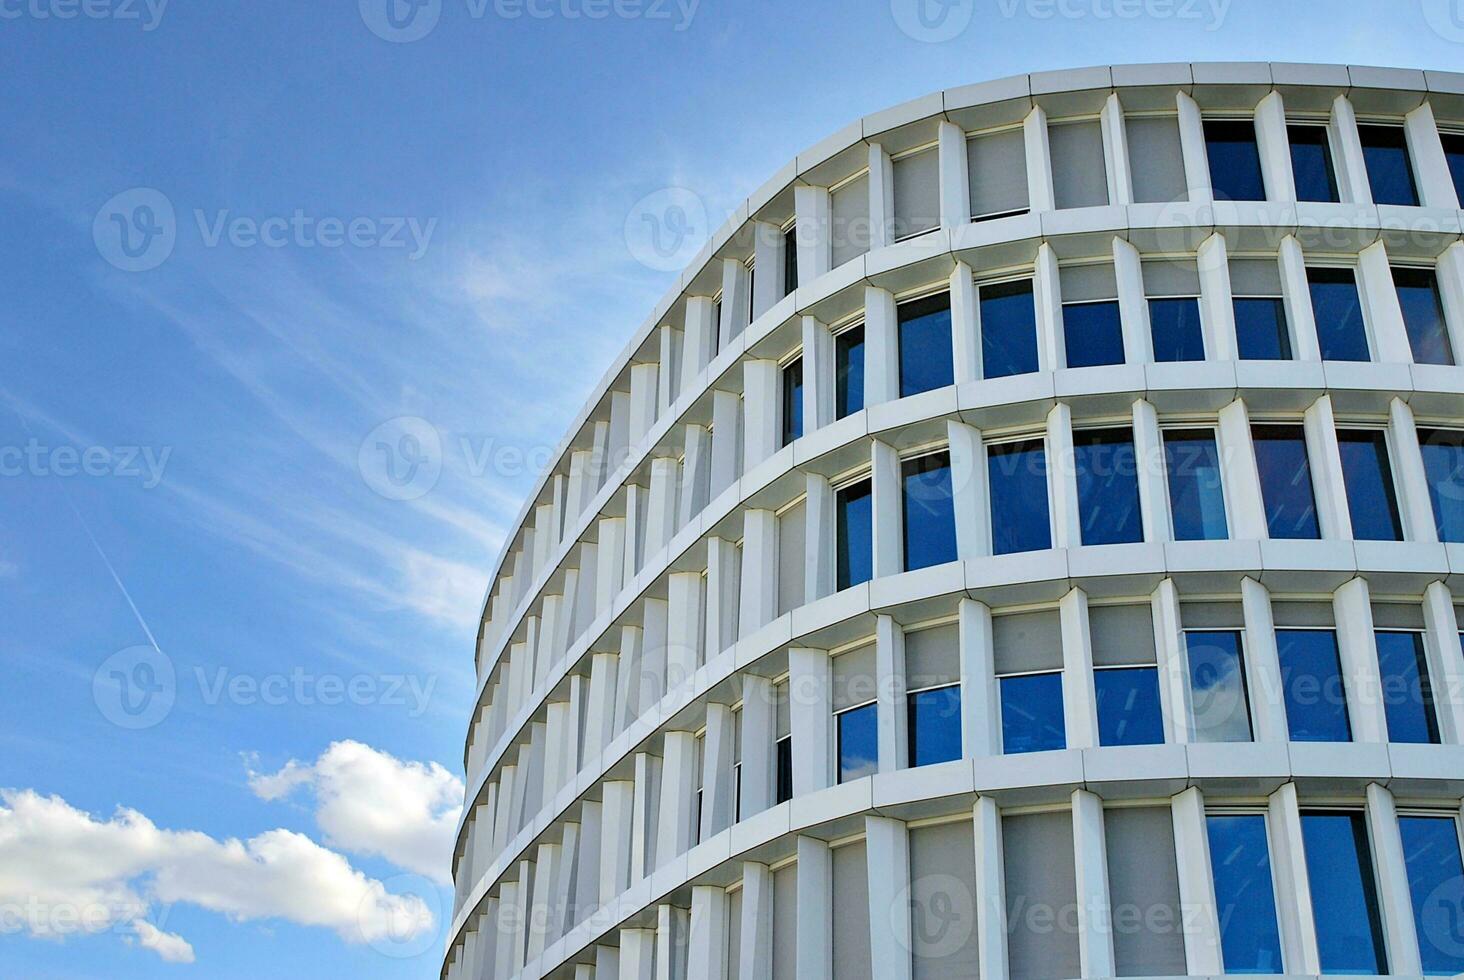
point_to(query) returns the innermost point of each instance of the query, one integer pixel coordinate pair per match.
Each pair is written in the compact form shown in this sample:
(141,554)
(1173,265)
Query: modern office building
(1021,545)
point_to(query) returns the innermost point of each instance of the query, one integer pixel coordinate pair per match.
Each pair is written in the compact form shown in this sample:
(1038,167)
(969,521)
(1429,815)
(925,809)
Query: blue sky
(354,240)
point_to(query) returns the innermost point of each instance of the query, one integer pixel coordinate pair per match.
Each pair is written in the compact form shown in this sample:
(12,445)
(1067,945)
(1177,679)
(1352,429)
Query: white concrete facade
(667,616)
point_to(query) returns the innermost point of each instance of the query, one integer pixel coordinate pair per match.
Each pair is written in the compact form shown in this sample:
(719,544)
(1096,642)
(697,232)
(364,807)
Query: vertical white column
(811,708)
(672,925)
(1133,307)
(726,440)
(699,339)
(1449,270)
(1217,306)
(1352,182)
(636,499)
(676,825)
(887,852)
(722,595)
(1441,646)
(1274,147)
(524,917)
(882,347)
(965,331)
(1192,146)
(891,724)
(818,375)
(767,286)
(661,504)
(1430,168)
(955,184)
(736,301)
(1115,152)
(1242,480)
(819,538)
(587,894)
(670,359)
(1262,664)
(1414,505)
(696,474)
(1384,315)
(1090,860)
(717,753)
(1047,306)
(684,612)
(755,958)
(815,932)
(708,945)
(617,820)
(1325,461)
(1296,297)
(968,491)
(563,897)
(1357,648)
(1394,899)
(761,405)
(1067,529)
(508,897)
(503,817)
(1171,657)
(556,716)
(546,882)
(642,400)
(1196,885)
(759,570)
(887,524)
(759,731)
(881,198)
(1080,704)
(1040,195)
(643,857)
(1149,454)
(815,239)
(991,929)
(1299,952)
(980,710)
(637,954)
(628,678)
(610,556)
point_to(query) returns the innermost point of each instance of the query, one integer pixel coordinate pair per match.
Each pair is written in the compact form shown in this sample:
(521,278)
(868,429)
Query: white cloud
(370,802)
(64,872)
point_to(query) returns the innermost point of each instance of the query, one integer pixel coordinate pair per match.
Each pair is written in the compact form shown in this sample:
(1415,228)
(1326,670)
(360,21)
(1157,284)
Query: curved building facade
(1022,545)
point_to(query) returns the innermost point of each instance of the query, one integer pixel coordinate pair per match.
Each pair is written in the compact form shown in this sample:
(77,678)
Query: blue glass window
(1407,694)
(792,401)
(934,725)
(1368,480)
(849,371)
(1286,486)
(1128,706)
(1436,882)
(1174,327)
(1240,859)
(1311,163)
(1031,713)
(1341,333)
(1443,467)
(1311,679)
(858,742)
(1389,171)
(1092,334)
(1008,329)
(1108,487)
(925,345)
(1235,163)
(790,260)
(1220,701)
(1017,479)
(785,769)
(1423,316)
(929,512)
(855,541)
(1344,893)
(1260,328)
(1454,153)
(1196,492)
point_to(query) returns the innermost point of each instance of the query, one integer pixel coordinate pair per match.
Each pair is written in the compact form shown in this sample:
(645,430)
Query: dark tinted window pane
(1443,466)
(935,725)
(1340,330)
(790,260)
(1196,495)
(1369,482)
(1389,171)
(1092,334)
(1454,153)
(929,512)
(1218,693)
(1174,325)
(1260,329)
(1311,163)
(855,544)
(1108,487)
(1235,164)
(1286,486)
(1407,696)
(1008,329)
(1423,315)
(785,770)
(792,401)
(1436,882)
(1240,858)
(1031,713)
(1311,677)
(925,345)
(1344,894)
(849,371)
(1017,477)
(1128,706)
(858,742)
